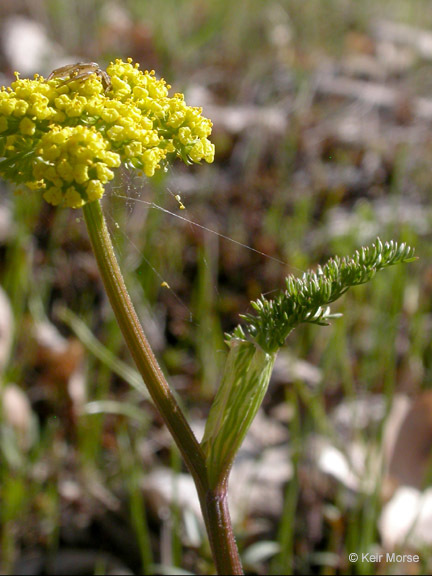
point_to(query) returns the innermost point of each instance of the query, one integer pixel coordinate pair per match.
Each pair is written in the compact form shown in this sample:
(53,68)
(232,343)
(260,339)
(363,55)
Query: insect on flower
(81,71)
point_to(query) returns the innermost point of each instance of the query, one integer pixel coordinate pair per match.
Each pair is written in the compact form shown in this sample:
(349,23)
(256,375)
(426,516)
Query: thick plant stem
(213,502)
(220,532)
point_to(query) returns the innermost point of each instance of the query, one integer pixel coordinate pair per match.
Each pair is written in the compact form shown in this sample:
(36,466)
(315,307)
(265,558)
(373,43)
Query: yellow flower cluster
(64,136)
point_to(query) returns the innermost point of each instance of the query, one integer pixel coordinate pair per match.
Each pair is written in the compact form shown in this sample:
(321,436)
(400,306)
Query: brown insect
(81,71)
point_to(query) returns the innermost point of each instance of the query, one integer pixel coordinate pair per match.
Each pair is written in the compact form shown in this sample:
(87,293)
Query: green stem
(138,343)
(213,502)
(220,531)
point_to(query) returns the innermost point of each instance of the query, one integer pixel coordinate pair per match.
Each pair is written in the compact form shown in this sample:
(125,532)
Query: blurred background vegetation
(322,114)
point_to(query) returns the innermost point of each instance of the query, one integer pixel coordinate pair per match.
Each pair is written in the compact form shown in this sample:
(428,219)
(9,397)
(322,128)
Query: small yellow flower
(72,198)
(109,115)
(21,107)
(94,190)
(75,107)
(53,196)
(7,104)
(104,174)
(81,173)
(65,170)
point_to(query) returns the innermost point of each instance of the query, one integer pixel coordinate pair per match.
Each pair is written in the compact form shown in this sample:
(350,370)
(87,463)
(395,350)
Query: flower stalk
(137,341)
(213,502)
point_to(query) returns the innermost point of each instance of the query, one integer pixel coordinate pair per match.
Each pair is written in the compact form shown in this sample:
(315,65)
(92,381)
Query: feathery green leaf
(307,298)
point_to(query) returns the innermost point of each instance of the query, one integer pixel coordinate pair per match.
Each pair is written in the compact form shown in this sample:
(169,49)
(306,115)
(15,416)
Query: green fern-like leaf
(307,298)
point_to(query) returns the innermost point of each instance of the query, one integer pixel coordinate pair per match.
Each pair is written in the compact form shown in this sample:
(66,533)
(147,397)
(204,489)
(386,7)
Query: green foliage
(307,299)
